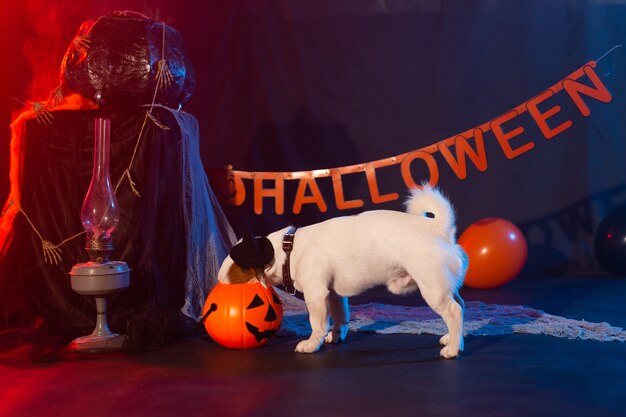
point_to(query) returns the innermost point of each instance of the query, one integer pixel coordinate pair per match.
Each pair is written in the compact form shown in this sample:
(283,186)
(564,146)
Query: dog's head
(247,261)
(232,273)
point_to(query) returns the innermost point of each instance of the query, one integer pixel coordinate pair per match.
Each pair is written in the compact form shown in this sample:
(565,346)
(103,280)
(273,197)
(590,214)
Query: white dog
(345,256)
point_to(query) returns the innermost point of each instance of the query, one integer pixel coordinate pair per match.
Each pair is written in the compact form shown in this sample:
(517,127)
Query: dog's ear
(273,269)
(270,265)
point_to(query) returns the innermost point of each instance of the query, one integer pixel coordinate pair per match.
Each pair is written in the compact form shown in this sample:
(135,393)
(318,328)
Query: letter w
(463,149)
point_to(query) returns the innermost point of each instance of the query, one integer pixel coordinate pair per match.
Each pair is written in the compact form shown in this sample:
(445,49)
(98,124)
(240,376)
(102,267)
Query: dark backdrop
(292,85)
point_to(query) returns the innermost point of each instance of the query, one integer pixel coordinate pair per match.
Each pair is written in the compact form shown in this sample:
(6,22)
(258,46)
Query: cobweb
(480,320)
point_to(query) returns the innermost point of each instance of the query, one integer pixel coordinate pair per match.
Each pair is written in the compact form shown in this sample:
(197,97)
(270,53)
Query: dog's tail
(429,202)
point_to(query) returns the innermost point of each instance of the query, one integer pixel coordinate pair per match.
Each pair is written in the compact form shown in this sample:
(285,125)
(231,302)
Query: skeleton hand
(51,253)
(164,76)
(42,112)
(82,43)
(56,97)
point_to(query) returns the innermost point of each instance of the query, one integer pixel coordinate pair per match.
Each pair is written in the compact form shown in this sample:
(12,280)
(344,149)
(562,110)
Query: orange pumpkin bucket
(242,316)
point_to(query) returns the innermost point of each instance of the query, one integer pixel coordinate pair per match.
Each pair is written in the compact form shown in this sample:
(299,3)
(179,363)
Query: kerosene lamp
(100,277)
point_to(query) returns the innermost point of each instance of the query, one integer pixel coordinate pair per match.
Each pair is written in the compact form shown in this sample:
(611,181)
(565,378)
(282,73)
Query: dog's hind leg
(443,303)
(340,314)
(318,317)
(445,339)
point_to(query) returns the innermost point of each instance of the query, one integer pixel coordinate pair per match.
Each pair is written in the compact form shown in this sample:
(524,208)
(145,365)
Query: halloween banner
(457,151)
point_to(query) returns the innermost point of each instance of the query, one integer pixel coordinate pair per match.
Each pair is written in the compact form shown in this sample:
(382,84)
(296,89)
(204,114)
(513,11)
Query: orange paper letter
(342,204)
(575,89)
(504,138)
(462,148)
(302,198)
(542,118)
(433,169)
(278,193)
(370,173)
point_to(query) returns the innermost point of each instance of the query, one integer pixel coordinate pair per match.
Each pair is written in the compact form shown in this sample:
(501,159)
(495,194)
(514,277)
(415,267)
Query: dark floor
(369,375)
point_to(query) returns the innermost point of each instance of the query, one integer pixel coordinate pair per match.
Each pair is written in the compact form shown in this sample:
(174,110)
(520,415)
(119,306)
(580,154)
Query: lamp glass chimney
(100,212)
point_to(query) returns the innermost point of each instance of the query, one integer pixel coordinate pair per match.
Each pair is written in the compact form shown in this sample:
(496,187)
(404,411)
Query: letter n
(598,91)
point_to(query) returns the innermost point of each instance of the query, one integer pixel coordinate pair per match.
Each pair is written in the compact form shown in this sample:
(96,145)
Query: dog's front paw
(445,339)
(308,346)
(449,352)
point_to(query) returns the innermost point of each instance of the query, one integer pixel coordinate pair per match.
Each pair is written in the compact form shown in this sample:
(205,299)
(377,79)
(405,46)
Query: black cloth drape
(57,165)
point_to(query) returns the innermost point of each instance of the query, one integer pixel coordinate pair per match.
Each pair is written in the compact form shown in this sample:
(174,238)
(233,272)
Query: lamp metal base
(100,280)
(93,343)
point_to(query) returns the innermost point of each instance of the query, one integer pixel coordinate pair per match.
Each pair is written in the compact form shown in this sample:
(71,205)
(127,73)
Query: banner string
(229,186)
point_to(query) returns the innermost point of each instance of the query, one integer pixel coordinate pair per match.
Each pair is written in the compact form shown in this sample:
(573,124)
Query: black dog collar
(288,247)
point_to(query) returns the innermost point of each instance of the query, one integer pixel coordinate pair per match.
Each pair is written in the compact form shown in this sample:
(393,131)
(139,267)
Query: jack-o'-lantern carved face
(242,316)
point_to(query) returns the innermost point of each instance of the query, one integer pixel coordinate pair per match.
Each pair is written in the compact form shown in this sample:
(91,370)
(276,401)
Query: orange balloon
(497,252)
(242,316)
